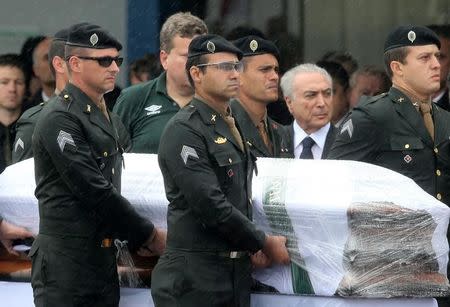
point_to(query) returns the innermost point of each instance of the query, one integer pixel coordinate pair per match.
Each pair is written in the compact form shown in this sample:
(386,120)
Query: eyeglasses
(104,61)
(226,66)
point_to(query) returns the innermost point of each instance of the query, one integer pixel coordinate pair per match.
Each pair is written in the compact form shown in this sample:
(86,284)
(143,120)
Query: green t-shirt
(145,109)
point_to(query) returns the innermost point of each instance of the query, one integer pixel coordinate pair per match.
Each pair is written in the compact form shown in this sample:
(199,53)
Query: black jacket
(208,184)
(276,133)
(386,130)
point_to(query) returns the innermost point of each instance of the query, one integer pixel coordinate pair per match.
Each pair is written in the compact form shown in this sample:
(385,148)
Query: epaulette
(366,100)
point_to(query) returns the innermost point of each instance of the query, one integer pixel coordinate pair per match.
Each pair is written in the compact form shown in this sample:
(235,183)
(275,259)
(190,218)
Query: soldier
(259,87)
(22,148)
(207,170)
(146,108)
(395,129)
(78,158)
(402,130)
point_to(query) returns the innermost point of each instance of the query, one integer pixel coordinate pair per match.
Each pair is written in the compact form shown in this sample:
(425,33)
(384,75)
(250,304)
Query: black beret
(405,36)
(92,36)
(211,43)
(254,45)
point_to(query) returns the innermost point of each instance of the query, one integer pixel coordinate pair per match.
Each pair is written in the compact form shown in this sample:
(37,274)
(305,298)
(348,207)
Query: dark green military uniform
(388,131)
(25,127)
(208,184)
(78,161)
(24,131)
(277,135)
(145,109)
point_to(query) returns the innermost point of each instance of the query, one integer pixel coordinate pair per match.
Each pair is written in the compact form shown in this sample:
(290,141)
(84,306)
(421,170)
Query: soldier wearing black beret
(402,130)
(78,161)
(259,87)
(207,170)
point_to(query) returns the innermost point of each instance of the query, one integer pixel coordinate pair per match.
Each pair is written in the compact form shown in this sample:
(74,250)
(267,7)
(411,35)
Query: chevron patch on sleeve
(348,126)
(64,139)
(187,152)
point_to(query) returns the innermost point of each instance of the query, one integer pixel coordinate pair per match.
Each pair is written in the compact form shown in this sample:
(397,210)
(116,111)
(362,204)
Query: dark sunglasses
(104,61)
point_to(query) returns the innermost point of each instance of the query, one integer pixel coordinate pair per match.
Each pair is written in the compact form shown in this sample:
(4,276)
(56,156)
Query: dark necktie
(307,143)
(264,135)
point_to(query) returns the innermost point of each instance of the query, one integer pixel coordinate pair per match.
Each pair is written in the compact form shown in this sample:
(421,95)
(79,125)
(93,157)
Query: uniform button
(439,196)
(406,146)
(438,172)
(229,160)
(66,96)
(105,154)
(436,150)
(112,170)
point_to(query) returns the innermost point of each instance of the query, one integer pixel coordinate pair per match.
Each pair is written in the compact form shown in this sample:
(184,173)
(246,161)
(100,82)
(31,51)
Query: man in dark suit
(259,87)
(308,91)
(441,97)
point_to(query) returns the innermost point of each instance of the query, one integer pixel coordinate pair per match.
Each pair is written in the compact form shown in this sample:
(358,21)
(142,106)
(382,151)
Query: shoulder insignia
(249,144)
(187,152)
(88,108)
(63,139)
(19,143)
(213,117)
(401,99)
(348,126)
(220,140)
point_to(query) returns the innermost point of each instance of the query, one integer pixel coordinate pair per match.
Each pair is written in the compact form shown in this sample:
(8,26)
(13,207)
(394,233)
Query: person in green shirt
(146,108)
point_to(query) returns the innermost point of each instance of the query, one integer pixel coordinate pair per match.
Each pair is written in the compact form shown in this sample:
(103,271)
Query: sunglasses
(104,61)
(226,66)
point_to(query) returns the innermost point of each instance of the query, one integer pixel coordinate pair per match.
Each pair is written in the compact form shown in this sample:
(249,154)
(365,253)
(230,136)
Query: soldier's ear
(195,74)
(397,68)
(58,64)
(163,55)
(74,64)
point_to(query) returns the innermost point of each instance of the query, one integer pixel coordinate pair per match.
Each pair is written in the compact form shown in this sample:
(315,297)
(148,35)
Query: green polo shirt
(145,109)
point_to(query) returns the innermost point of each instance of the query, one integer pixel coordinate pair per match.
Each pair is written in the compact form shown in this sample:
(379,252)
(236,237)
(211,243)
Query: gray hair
(287,81)
(183,24)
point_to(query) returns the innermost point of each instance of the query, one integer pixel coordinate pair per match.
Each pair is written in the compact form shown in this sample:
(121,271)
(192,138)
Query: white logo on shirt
(153,109)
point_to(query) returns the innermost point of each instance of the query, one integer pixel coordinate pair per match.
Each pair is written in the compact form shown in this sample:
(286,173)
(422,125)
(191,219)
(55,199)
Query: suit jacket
(387,130)
(444,102)
(277,134)
(331,135)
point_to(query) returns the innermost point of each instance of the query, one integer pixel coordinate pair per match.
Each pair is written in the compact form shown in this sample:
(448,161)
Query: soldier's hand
(10,232)
(156,243)
(275,249)
(260,260)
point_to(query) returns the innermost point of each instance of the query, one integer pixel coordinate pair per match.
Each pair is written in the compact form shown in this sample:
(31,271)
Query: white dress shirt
(318,136)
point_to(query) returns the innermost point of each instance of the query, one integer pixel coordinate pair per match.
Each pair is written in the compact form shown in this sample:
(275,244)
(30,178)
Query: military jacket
(78,162)
(145,110)
(388,131)
(208,184)
(22,148)
(277,135)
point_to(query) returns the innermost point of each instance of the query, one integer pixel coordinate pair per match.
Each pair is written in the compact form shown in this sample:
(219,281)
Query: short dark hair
(337,72)
(342,57)
(194,61)
(149,64)
(396,54)
(57,48)
(12,60)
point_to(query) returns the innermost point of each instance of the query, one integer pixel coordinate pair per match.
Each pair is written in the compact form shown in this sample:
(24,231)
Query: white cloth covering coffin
(311,200)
